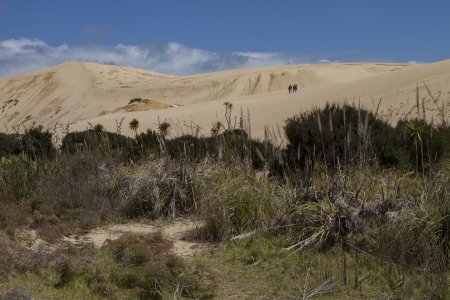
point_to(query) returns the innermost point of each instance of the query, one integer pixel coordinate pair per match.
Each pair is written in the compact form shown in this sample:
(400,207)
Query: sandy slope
(80,92)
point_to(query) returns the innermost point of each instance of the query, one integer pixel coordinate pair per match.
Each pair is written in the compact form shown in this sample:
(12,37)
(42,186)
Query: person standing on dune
(290,88)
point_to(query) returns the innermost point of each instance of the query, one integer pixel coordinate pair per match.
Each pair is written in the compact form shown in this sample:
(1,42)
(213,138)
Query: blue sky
(183,37)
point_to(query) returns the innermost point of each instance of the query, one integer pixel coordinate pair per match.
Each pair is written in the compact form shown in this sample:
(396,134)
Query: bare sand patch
(175,231)
(139,104)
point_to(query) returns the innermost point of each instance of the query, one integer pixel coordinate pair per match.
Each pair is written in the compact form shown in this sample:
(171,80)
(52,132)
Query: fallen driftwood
(243,236)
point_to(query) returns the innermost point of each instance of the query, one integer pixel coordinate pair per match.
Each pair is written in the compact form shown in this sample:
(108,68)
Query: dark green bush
(92,139)
(230,145)
(346,134)
(37,143)
(421,144)
(10,144)
(189,146)
(334,133)
(148,142)
(104,141)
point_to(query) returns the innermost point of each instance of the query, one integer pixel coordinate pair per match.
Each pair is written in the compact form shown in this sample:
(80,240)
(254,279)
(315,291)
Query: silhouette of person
(295,88)
(290,88)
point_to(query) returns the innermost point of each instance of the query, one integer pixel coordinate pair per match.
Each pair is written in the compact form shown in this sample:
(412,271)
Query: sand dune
(79,92)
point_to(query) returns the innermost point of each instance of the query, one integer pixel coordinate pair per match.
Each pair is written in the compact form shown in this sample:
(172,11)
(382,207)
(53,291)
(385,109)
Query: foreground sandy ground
(80,94)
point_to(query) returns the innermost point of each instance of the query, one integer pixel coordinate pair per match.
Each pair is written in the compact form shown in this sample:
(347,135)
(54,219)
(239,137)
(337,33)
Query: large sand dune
(79,92)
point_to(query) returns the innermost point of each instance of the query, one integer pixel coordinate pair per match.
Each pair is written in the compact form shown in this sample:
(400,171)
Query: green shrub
(420,144)
(94,140)
(229,146)
(191,147)
(37,143)
(334,133)
(19,177)
(147,142)
(346,134)
(10,144)
(105,142)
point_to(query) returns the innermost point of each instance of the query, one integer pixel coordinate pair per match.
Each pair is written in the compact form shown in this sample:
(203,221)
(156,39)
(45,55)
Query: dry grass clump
(158,188)
(234,201)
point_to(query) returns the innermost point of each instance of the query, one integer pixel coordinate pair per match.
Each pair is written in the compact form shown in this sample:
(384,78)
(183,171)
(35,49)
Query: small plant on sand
(164,129)
(228,109)
(415,129)
(99,128)
(217,126)
(134,125)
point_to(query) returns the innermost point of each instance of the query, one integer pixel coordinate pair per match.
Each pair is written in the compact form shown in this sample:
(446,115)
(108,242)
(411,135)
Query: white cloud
(23,55)
(414,62)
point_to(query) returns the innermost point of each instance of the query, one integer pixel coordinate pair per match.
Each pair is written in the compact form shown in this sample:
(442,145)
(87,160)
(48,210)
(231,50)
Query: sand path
(177,231)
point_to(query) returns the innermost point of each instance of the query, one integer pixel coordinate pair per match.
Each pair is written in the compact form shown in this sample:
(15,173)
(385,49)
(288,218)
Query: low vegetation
(352,207)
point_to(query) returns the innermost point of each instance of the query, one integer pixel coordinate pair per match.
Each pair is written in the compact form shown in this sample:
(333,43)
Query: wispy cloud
(23,55)
(414,62)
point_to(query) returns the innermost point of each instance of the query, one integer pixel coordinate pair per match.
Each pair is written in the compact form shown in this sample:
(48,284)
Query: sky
(194,36)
